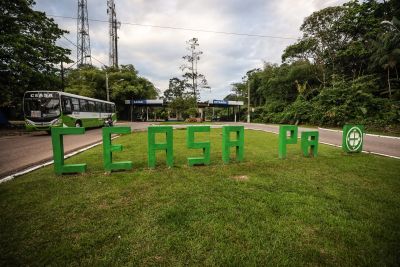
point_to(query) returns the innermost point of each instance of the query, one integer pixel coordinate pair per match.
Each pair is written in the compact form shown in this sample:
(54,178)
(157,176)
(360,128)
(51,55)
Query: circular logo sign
(354,138)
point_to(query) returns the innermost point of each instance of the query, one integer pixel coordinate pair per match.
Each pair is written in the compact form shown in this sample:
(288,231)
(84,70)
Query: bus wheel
(78,124)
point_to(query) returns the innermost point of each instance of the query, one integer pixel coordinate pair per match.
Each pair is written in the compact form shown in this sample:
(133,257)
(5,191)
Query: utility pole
(107,90)
(114,25)
(248,101)
(83,55)
(62,77)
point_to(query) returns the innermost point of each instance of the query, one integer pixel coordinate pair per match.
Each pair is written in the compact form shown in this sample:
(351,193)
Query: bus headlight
(56,121)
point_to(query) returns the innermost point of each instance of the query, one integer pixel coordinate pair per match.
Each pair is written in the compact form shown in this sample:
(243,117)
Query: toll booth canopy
(141,109)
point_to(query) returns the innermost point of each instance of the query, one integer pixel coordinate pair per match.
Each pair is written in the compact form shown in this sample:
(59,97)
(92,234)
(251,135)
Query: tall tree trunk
(194,88)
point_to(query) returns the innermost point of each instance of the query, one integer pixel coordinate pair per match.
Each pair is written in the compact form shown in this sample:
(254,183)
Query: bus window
(113,108)
(91,106)
(98,107)
(41,107)
(103,107)
(75,104)
(66,104)
(83,105)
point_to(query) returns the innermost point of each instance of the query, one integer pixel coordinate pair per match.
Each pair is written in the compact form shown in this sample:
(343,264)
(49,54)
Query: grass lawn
(336,209)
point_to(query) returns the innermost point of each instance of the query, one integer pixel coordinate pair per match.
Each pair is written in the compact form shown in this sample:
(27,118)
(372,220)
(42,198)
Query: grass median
(336,209)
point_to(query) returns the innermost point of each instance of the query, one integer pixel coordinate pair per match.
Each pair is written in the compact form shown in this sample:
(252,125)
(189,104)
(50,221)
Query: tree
(179,101)
(322,38)
(86,80)
(175,89)
(343,70)
(387,51)
(124,84)
(193,79)
(239,90)
(28,54)
(184,106)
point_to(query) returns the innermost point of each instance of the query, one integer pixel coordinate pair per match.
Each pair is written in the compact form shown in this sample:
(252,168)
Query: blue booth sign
(145,102)
(220,102)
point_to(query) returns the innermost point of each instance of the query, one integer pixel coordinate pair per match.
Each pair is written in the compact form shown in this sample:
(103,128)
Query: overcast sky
(157,53)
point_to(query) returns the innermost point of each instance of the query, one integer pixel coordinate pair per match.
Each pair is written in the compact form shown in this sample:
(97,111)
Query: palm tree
(387,51)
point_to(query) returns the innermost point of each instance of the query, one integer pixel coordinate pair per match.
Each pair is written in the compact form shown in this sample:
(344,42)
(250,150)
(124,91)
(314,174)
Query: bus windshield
(42,107)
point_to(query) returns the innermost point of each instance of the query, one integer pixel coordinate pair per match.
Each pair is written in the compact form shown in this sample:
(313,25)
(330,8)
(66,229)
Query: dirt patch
(240,178)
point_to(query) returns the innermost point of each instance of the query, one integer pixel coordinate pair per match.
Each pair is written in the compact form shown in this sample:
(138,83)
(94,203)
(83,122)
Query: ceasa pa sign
(288,134)
(57,134)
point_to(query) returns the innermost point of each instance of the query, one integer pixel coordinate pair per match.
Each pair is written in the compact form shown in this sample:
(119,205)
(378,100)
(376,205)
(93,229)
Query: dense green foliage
(124,84)
(181,103)
(182,94)
(29,57)
(333,210)
(30,60)
(344,69)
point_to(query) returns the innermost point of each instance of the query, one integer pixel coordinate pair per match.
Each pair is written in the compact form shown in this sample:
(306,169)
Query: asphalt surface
(21,152)
(389,146)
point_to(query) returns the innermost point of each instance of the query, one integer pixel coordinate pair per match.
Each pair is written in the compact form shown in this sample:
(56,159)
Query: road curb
(329,144)
(33,168)
(47,163)
(375,135)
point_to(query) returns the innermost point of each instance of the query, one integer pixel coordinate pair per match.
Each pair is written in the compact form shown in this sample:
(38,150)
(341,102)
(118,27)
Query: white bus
(46,109)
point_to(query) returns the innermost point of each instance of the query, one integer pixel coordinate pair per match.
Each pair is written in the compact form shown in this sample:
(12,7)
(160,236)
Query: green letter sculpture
(153,146)
(227,143)
(353,138)
(199,145)
(108,148)
(283,140)
(58,150)
(309,143)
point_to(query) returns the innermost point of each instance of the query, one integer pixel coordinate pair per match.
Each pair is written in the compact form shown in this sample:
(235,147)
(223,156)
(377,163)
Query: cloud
(157,53)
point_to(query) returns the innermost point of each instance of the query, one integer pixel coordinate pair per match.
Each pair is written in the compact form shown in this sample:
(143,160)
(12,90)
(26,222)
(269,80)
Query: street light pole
(131,109)
(248,101)
(62,77)
(108,93)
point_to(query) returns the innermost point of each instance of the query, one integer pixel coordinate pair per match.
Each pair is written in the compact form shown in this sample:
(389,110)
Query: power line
(186,29)
(91,55)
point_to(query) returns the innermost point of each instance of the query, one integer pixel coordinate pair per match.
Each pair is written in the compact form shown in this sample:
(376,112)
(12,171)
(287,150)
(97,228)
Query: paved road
(387,146)
(372,143)
(20,152)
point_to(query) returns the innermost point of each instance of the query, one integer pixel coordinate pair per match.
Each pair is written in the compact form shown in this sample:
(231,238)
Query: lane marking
(330,130)
(329,144)
(379,154)
(375,135)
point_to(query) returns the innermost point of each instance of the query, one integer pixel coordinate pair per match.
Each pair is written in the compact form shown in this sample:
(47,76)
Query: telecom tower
(114,25)
(83,39)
